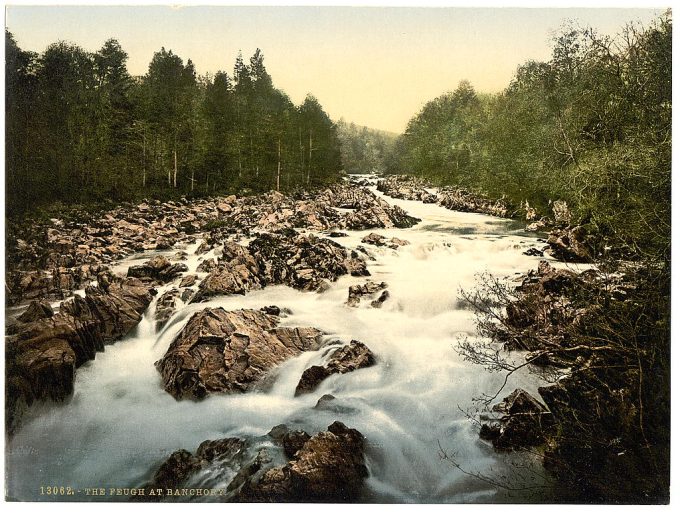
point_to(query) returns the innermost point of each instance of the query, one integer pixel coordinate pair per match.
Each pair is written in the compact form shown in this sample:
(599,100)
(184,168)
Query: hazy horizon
(374,66)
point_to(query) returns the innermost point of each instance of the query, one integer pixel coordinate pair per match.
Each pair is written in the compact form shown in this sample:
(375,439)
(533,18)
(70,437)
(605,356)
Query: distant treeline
(591,126)
(364,150)
(80,128)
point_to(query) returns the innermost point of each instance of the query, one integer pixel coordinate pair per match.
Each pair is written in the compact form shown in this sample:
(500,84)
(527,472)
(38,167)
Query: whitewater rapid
(120,423)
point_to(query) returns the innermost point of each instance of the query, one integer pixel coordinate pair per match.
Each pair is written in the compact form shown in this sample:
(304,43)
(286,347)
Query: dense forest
(363,149)
(80,128)
(591,126)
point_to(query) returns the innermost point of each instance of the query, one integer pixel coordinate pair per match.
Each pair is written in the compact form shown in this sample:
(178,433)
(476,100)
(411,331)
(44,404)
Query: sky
(375,66)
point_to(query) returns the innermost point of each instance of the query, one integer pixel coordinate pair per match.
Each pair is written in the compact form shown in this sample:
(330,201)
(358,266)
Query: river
(120,423)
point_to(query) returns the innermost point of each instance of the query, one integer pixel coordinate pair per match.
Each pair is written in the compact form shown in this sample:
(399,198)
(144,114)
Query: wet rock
(36,310)
(538,226)
(465,201)
(328,402)
(407,188)
(175,470)
(207,265)
(116,306)
(571,244)
(220,351)
(271,310)
(348,358)
(356,292)
(158,269)
(291,440)
(377,303)
(188,281)
(380,240)
(166,306)
(533,252)
(43,354)
(328,468)
(524,422)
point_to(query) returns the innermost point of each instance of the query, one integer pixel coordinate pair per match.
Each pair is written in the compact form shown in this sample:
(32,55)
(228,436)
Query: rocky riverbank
(600,338)
(50,259)
(565,241)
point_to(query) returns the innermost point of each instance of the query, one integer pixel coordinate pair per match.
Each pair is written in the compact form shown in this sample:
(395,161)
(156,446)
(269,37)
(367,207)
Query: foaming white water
(120,423)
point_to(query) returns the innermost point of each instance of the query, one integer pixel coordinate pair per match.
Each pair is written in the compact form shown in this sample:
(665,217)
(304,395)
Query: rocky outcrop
(116,305)
(348,358)
(380,240)
(329,467)
(524,422)
(166,306)
(571,244)
(220,351)
(466,201)
(407,188)
(42,354)
(370,288)
(159,270)
(286,257)
(36,310)
(326,467)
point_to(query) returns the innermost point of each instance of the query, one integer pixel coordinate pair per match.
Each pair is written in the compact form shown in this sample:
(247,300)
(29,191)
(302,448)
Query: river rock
(348,358)
(42,354)
(329,467)
(380,240)
(188,281)
(523,423)
(377,303)
(220,351)
(326,467)
(36,310)
(166,306)
(158,269)
(356,292)
(117,306)
(571,244)
(466,201)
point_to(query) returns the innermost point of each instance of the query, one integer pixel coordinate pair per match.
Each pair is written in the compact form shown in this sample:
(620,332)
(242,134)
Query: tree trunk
(174,154)
(309,162)
(143,161)
(278,170)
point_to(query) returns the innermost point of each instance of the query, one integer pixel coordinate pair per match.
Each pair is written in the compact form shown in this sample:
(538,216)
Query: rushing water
(120,423)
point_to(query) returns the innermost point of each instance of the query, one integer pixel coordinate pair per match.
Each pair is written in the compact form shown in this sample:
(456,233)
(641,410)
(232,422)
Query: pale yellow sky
(375,66)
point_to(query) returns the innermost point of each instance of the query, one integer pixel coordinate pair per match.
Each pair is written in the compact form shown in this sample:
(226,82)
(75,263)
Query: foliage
(80,129)
(592,126)
(364,150)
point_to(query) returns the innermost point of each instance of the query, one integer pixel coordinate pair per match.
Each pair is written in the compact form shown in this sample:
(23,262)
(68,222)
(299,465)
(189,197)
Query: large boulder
(329,467)
(43,354)
(326,467)
(523,422)
(158,269)
(348,358)
(116,306)
(370,288)
(220,351)
(571,244)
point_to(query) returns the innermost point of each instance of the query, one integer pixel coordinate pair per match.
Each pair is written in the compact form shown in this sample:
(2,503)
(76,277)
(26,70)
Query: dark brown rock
(36,310)
(158,269)
(524,422)
(356,292)
(220,351)
(348,358)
